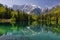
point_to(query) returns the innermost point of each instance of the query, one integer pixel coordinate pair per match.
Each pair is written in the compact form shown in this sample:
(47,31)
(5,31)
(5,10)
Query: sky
(41,3)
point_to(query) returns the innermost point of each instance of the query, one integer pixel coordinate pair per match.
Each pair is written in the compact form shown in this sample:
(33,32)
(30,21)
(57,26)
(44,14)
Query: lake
(24,30)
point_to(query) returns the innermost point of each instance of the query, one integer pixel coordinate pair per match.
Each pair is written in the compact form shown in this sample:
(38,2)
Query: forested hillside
(51,15)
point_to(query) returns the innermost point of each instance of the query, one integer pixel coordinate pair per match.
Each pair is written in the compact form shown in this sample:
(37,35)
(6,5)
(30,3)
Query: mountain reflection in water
(30,31)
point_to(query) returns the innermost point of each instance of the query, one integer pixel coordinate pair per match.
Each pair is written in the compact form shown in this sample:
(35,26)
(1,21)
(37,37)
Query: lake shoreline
(7,20)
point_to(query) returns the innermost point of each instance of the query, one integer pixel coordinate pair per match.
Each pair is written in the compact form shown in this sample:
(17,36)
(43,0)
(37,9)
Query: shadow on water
(41,30)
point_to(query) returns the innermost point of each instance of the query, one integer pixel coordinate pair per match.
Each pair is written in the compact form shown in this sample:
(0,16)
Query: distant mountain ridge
(32,9)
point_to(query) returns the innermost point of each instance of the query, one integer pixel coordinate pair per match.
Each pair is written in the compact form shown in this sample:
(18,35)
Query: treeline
(52,15)
(8,13)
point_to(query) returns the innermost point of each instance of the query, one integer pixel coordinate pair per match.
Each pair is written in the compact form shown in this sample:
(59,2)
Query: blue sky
(41,3)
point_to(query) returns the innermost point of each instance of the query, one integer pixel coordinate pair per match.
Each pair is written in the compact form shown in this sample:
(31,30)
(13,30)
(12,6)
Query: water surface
(30,31)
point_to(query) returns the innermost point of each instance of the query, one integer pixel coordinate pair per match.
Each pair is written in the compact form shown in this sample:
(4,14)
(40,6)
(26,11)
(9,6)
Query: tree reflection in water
(29,30)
